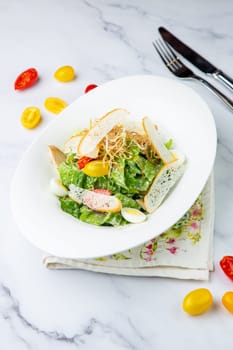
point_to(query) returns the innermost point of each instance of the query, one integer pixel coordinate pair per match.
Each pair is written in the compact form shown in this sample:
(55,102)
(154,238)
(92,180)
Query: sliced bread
(163,183)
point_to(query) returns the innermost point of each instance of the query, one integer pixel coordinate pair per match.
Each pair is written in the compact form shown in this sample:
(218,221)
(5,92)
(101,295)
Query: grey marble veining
(19,324)
(104,40)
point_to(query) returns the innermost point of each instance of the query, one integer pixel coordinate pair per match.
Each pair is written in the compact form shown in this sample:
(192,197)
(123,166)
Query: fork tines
(166,54)
(180,70)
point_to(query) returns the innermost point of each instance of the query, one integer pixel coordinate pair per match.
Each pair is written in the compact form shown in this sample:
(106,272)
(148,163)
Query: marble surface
(103,40)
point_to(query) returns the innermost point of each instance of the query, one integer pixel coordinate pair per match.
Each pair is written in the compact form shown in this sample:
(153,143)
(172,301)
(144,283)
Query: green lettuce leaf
(115,219)
(69,206)
(139,174)
(169,144)
(89,216)
(134,176)
(107,219)
(70,174)
(118,173)
(134,149)
(127,201)
(71,158)
(102,182)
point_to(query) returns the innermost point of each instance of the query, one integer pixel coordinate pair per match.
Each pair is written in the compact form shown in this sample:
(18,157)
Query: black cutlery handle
(224,78)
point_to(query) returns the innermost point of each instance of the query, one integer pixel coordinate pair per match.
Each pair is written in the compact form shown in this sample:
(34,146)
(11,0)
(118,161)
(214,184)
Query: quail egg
(57,188)
(133,215)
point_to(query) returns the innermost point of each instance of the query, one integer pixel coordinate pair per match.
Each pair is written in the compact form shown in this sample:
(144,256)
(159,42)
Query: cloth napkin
(184,251)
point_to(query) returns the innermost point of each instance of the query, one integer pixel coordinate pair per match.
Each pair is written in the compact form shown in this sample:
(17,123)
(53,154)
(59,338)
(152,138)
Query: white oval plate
(176,108)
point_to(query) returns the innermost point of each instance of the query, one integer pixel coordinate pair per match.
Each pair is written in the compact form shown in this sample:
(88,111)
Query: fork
(178,68)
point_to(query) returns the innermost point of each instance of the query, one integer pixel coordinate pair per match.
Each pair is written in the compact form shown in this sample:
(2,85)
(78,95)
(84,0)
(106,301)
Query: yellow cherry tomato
(65,74)
(54,104)
(227,301)
(197,301)
(96,168)
(30,117)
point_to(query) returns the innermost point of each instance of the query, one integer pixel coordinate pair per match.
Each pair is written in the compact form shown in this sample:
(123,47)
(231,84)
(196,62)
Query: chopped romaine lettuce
(118,173)
(128,178)
(69,206)
(70,174)
(134,149)
(127,201)
(139,174)
(90,216)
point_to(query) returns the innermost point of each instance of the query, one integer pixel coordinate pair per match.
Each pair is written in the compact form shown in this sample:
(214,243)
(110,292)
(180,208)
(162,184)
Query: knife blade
(196,59)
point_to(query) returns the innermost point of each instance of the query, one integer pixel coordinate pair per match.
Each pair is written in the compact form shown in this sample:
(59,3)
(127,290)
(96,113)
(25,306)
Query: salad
(115,172)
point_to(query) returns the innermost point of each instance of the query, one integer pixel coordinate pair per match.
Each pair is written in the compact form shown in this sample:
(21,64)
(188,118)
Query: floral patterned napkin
(184,251)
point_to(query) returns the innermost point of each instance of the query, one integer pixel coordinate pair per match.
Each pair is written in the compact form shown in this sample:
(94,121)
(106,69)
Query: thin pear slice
(90,141)
(56,156)
(156,141)
(71,145)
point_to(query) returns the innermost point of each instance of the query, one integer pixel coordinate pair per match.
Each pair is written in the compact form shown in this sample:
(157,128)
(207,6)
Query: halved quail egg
(133,215)
(57,187)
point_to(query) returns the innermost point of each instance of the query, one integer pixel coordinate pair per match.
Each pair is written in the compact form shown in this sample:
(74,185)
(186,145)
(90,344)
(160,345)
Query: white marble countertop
(103,40)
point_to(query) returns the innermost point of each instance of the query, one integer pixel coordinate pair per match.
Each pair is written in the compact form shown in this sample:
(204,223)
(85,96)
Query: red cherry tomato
(83,161)
(26,79)
(90,87)
(226,264)
(102,191)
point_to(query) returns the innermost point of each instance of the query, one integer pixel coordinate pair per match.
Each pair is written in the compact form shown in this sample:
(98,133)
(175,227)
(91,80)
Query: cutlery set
(180,70)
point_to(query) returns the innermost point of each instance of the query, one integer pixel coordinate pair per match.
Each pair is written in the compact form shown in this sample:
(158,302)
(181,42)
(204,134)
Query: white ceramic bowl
(175,107)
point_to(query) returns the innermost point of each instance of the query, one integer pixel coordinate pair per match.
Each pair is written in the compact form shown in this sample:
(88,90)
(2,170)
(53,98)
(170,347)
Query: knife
(196,59)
